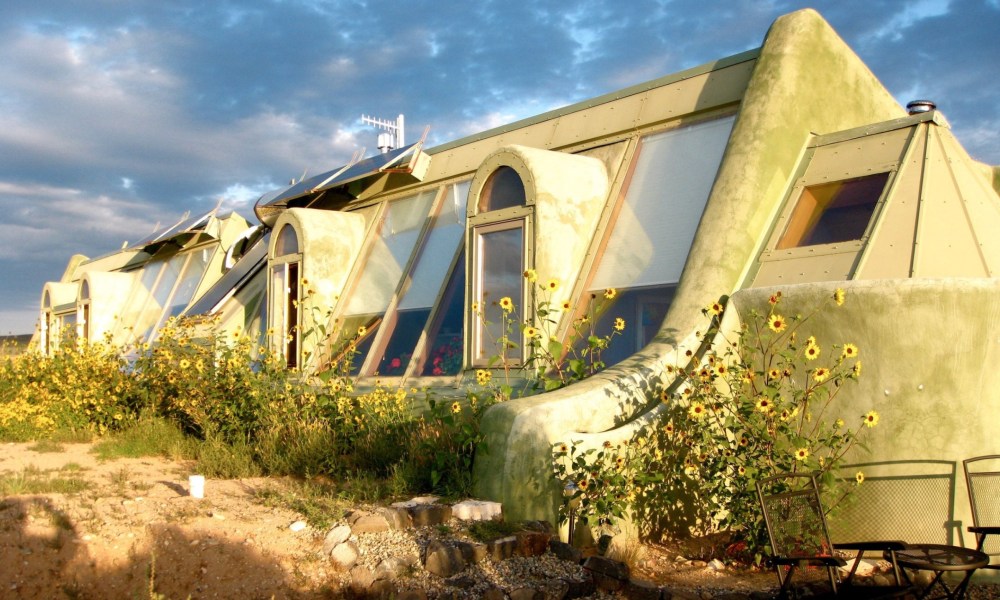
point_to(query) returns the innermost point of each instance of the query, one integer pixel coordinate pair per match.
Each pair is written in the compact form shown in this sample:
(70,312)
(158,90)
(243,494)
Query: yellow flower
(763,404)
(610,293)
(821,374)
(776,323)
(697,410)
(483,376)
(475,307)
(838,296)
(531,275)
(774,298)
(506,304)
(582,484)
(850,351)
(456,407)
(812,350)
(774,374)
(802,454)
(859,477)
(871,418)
(362,331)
(566,305)
(714,308)
(185,363)
(530,332)
(856,371)
(839,423)
(563,449)
(552,285)
(668,428)
(619,324)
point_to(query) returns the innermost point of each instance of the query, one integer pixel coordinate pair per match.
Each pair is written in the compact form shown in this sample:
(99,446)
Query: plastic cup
(197,486)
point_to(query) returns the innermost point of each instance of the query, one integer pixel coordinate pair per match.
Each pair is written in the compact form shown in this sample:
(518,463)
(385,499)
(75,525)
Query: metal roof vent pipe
(920,106)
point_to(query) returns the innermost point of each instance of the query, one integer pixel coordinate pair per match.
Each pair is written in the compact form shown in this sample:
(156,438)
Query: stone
(526,593)
(609,575)
(472,552)
(716,565)
(414,594)
(394,567)
(476,510)
(566,552)
(345,555)
(865,568)
(429,515)
(297,526)
(415,502)
(362,578)
(637,589)
(502,548)
(494,593)
(337,535)
(579,588)
(368,523)
(462,582)
(532,543)
(444,560)
(398,518)
(381,588)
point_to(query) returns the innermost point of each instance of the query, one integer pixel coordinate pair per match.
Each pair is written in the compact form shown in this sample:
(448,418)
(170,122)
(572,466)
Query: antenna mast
(394,132)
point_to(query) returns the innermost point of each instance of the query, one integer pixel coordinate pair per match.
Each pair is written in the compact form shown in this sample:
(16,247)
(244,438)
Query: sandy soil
(137,527)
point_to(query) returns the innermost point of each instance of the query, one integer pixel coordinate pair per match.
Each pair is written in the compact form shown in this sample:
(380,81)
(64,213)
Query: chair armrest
(820,561)
(987,530)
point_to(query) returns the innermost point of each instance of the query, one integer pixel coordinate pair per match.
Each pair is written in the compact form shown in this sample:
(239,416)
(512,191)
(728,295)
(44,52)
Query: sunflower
(774,374)
(838,296)
(850,351)
(530,332)
(856,371)
(812,350)
(763,404)
(362,331)
(774,298)
(566,305)
(871,418)
(802,454)
(610,293)
(696,410)
(821,374)
(531,275)
(859,477)
(552,285)
(714,308)
(456,408)
(619,324)
(506,304)
(776,323)
(483,376)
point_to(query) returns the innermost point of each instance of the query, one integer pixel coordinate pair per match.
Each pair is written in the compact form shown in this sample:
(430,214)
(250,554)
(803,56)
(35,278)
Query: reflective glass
(502,264)
(503,189)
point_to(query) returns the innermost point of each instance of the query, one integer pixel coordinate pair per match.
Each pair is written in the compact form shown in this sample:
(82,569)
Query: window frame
(285,336)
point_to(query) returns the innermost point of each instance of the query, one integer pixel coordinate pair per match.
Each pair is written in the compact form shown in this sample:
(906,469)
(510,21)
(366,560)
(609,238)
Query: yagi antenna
(393,137)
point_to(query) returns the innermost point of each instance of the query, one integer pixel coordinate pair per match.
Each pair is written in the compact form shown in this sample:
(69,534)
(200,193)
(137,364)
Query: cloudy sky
(116,115)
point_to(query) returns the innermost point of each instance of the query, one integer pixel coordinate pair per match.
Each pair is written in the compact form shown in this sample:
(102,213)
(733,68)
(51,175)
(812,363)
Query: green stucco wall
(806,80)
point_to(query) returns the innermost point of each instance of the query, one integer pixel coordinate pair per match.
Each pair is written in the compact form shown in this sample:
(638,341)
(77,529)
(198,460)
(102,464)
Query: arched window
(285,286)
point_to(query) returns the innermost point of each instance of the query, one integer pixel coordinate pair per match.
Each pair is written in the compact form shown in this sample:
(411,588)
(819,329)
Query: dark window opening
(833,212)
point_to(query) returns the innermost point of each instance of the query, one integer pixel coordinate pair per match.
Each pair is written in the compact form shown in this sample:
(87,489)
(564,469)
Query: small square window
(833,212)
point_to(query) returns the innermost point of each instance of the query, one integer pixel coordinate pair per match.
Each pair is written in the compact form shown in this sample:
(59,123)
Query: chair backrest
(982,477)
(793,514)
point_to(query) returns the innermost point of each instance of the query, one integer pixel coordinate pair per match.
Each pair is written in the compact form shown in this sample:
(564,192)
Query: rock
(362,578)
(882,580)
(472,552)
(526,593)
(337,535)
(566,552)
(502,548)
(716,565)
(398,518)
(576,588)
(428,515)
(476,510)
(865,568)
(532,543)
(699,564)
(297,526)
(394,567)
(494,593)
(444,560)
(345,555)
(636,589)
(462,582)
(362,522)
(415,502)
(609,575)
(412,594)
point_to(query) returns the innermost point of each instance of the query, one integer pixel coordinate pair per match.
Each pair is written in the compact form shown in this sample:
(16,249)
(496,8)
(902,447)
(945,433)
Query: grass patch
(150,436)
(218,459)
(32,480)
(43,446)
(317,502)
(487,531)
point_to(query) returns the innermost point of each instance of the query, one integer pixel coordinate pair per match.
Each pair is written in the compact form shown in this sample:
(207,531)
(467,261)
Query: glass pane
(435,256)
(642,309)
(409,325)
(444,354)
(389,255)
(504,189)
(663,206)
(833,212)
(278,296)
(287,242)
(502,277)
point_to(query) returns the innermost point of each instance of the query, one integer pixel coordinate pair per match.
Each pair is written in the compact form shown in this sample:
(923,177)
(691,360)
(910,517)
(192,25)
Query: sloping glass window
(650,240)
(432,264)
(833,212)
(383,269)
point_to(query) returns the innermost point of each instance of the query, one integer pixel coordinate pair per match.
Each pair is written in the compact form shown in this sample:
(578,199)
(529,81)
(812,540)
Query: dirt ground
(136,532)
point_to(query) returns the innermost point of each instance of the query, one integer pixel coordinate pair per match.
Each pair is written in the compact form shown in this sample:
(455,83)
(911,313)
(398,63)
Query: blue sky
(116,115)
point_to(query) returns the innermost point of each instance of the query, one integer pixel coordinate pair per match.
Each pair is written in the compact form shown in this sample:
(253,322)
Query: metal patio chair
(797,529)
(982,479)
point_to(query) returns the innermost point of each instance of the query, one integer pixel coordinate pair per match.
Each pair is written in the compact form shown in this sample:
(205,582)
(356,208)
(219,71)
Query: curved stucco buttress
(330,242)
(927,348)
(805,81)
(107,294)
(568,192)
